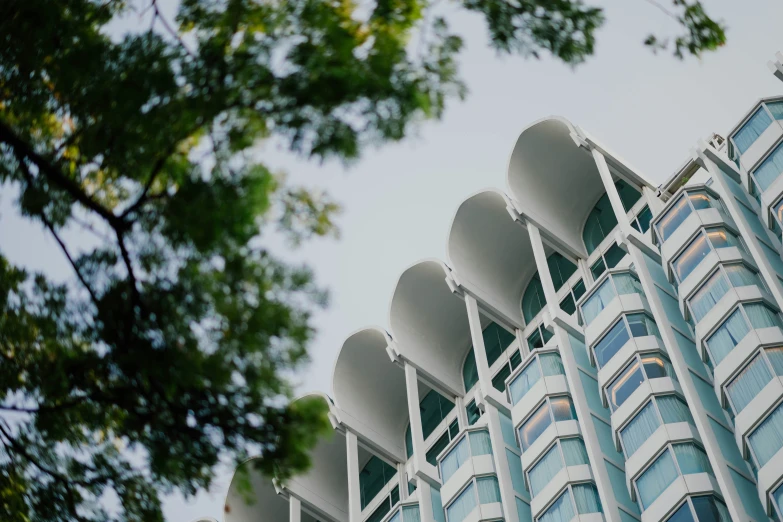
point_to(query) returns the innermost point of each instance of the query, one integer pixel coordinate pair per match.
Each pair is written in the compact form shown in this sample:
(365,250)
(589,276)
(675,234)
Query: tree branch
(53,174)
(157,14)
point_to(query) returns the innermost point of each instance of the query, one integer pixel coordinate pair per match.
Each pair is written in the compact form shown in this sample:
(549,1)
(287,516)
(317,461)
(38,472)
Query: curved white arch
(430,323)
(323,488)
(369,390)
(554,181)
(491,254)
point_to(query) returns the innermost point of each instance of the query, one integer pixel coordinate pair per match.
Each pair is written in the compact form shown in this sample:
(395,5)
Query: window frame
(593,290)
(547,401)
(637,358)
(748,324)
(659,415)
(534,358)
(704,232)
(715,202)
(563,463)
(471,482)
(689,500)
(669,447)
(762,107)
(624,319)
(569,491)
(453,443)
(722,269)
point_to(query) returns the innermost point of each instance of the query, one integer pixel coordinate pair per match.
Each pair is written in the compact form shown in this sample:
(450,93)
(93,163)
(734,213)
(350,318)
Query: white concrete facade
(595,348)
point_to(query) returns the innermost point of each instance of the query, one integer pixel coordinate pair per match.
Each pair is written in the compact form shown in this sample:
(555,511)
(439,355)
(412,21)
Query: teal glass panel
(598,268)
(507,430)
(728,445)
(463,505)
(523,511)
(560,268)
(499,380)
(620,489)
(434,451)
(473,413)
(691,459)
(561,510)
(604,432)
(374,475)
(515,467)
(434,408)
(689,352)
(708,399)
(568,305)
(642,221)
(533,299)
(766,440)
(628,194)
(749,495)
(614,255)
(515,359)
(770,169)
(545,470)
(408,441)
(488,490)
(656,479)
(437,505)
(751,130)
(609,345)
(591,391)
(586,498)
(469,371)
(496,340)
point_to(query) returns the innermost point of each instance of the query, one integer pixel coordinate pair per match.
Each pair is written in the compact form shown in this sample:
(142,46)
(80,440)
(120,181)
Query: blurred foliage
(173,346)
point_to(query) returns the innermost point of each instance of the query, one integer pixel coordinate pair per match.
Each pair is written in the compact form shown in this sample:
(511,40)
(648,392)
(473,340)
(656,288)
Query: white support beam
(354,491)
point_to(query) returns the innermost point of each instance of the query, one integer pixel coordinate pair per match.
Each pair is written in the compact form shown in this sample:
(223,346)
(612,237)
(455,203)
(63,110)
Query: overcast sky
(399,200)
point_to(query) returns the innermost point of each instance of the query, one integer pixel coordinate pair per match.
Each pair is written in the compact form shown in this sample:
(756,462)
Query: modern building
(596,347)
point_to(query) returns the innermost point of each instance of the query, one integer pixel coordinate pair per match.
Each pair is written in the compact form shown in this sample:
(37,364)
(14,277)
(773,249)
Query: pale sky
(399,200)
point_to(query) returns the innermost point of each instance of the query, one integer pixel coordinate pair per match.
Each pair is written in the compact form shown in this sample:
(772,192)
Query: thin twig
(662,8)
(50,226)
(172,32)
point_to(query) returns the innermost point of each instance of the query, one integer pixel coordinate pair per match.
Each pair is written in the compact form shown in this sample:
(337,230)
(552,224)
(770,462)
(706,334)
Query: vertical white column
(579,398)
(479,351)
(294,509)
(423,490)
(354,492)
(462,415)
(501,465)
(611,190)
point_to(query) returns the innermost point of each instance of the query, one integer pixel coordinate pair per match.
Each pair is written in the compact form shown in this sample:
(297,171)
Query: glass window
(488,490)
(673,218)
(762,316)
(673,409)
(560,268)
(515,469)
(499,380)
(750,381)
(641,368)
(463,505)
(753,128)
(545,470)
(639,429)
(611,343)
(712,238)
(740,275)
(770,169)
(614,255)
(628,194)
(725,338)
(767,439)
(586,498)
(473,413)
(627,283)
(708,295)
(469,371)
(533,299)
(374,475)
(691,459)
(496,340)
(554,409)
(568,305)
(454,459)
(550,363)
(515,359)
(642,220)
(600,222)
(656,479)
(642,325)
(691,257)
(480,443)
(434,407)
(683,514)
(439,445)
(598,268)
(598,301)
(578,289)
(561,510)
(777,212)
(408,441)
(522,383)
(538,338)
(507,430)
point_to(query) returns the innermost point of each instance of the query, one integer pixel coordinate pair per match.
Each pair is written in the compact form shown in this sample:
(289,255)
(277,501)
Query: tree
(173,344)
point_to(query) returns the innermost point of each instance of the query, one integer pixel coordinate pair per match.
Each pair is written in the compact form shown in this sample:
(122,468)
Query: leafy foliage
(173,345)
(703,33)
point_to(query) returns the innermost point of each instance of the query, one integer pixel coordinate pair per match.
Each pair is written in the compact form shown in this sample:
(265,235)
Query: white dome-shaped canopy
(323,488)
(252,497)
(555,182)
(430,323)
(490,253)
(369,389)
